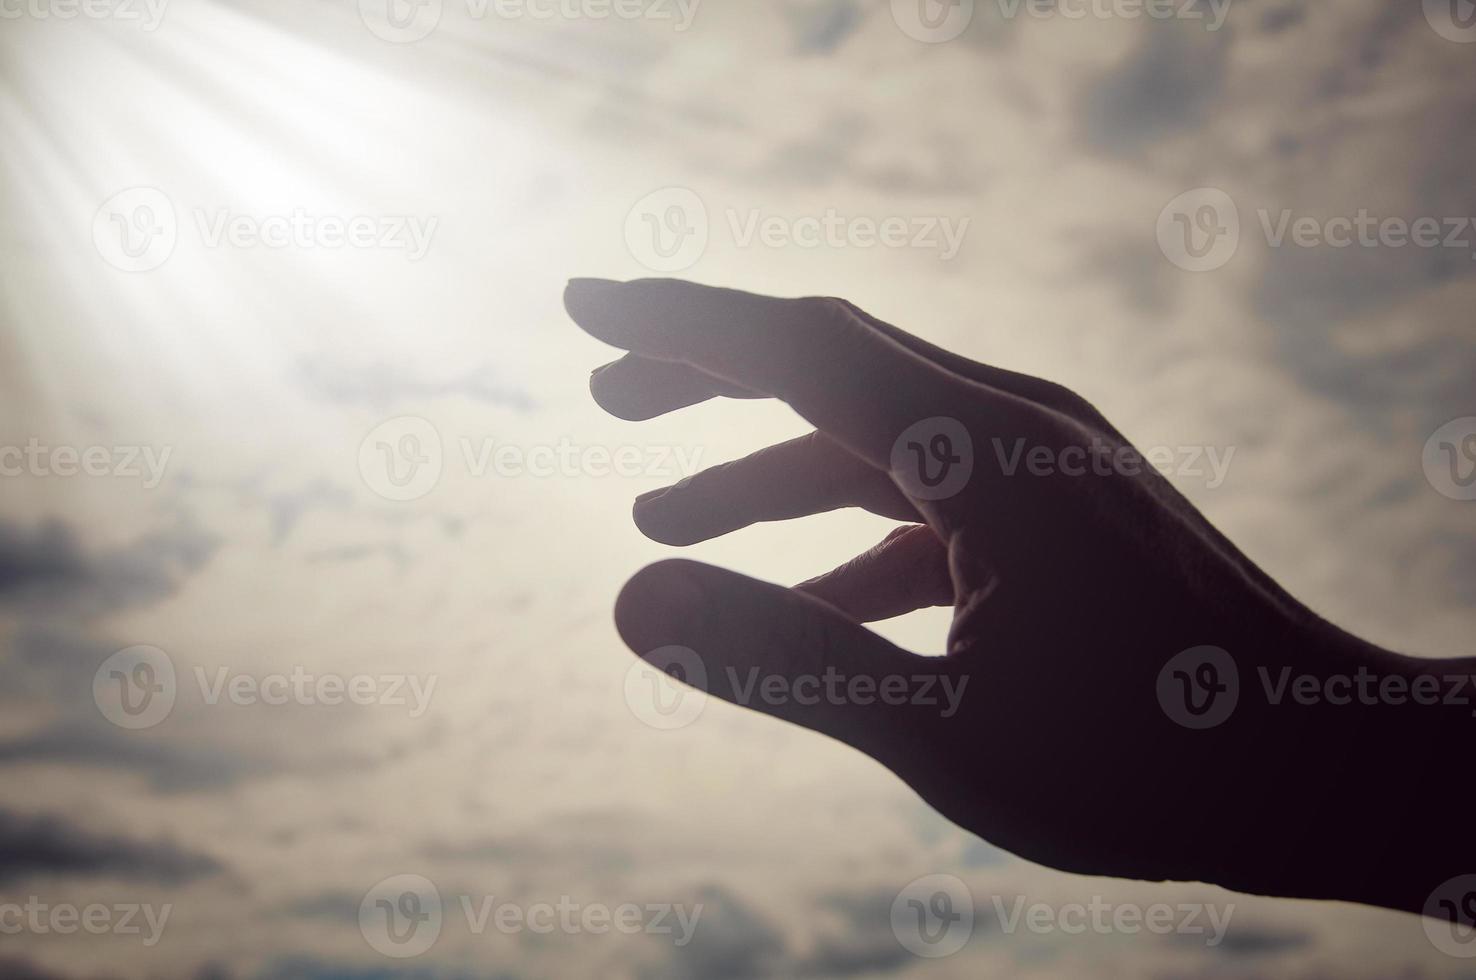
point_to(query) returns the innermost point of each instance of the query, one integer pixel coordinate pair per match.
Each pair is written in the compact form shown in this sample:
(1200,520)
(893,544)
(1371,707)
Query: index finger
(851,381)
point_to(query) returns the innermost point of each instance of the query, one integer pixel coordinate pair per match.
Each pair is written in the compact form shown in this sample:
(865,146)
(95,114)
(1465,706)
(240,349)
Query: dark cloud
(1314,289)
(1385,32)
(170,766)
(50,845)
(1166,86)
(855,956)
(1443,368)
(314,968)
(45,569)
(336,906)
(50,659)
(852,937)
(1248,941)
(822,26)
(16,968)
(38,559)
(1316,297)
(19,968)
(731,942)
(1283,17)
(860,940)
(153,566)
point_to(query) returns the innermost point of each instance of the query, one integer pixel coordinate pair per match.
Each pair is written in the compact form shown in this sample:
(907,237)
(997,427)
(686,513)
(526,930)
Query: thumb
(789,655)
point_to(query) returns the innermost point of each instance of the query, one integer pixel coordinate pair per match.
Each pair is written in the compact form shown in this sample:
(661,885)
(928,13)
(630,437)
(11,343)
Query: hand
(1072,590)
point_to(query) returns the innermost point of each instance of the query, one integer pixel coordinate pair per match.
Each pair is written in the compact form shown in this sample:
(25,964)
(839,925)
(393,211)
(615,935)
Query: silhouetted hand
(1056,726)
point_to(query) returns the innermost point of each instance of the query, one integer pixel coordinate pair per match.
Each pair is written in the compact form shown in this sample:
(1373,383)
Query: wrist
(1369,743)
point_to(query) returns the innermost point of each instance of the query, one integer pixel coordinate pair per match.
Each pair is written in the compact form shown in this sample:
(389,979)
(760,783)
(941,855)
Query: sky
(290,411)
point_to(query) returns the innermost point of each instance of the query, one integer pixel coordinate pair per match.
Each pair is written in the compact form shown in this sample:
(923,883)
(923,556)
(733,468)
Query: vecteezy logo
(400,21)
(401,916)
(1450,459)
(667,230)
(401,459)
(135,688)
(933,916)
(1450,917)
(135,230)
(1199,688)
(1454,20)
(1199,231)
(933,21)
(933,459)
(667,689)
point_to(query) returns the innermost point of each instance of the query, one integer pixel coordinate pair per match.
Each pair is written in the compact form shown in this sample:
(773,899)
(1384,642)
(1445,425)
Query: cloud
(1281,18)
(37,560)
(289,507)
(19,968)
(318,968)
(44,569)
(859,941)
(841,934)
(822,26)
(394,552)
(383,386)
(1050,134)
(732,942)
(1243,941)
(169,765)
(846,148)
(50,845)
(1165,86)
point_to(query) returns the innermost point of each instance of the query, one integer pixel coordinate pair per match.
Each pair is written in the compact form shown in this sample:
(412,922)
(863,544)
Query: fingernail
(596,377)
(580,294)
(651,514)
(591,287)
(601,375)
